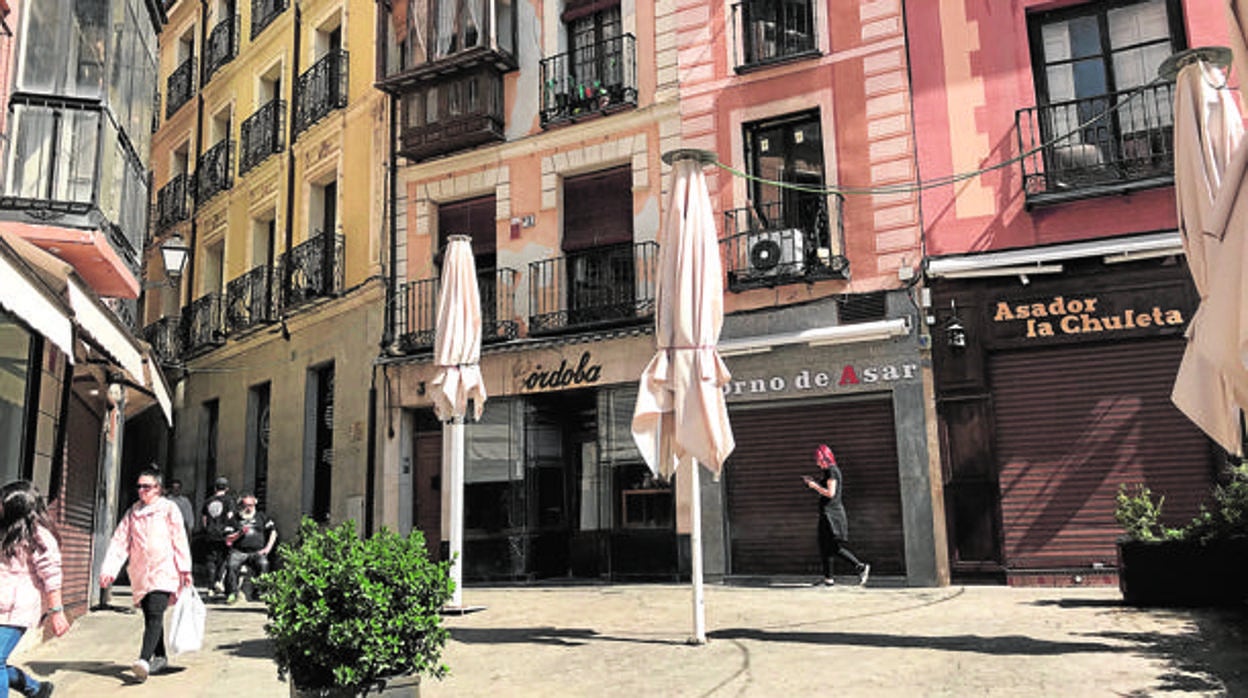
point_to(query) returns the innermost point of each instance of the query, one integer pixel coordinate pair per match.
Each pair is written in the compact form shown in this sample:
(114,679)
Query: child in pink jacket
(152,535)
(30,578)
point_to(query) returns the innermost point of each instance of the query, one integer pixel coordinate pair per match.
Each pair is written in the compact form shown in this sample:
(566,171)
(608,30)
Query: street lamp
(173,252)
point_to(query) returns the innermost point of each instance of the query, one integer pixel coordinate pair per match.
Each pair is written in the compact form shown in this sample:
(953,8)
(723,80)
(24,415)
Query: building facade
(537,129)
(1059,291)
(271,167)
(76,80)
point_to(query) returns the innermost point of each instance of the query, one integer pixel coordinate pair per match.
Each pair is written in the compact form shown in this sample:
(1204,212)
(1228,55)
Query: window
(319,443)
(1094,68)
(53,153)
(16,352)
(323,208)
(258,441)
(475,218)
(598,237)
(776,29)
(63,47)
(789,150)
(596,49)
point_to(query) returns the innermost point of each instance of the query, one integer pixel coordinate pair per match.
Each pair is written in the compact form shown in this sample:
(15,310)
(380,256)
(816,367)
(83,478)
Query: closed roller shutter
(773,515)
(1072,423)
(76,515)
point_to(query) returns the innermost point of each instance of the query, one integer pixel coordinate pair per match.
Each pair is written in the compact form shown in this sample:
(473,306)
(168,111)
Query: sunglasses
(146,487)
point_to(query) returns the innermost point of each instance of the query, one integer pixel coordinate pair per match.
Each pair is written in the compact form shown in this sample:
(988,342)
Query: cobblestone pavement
(778,640)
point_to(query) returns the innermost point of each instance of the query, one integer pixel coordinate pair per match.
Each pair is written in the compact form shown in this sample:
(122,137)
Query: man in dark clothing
(216,516)
(250,536)
(833,523)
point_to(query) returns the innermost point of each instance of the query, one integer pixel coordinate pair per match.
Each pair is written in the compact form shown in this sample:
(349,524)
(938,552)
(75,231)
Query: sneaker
(863,574)
(159,664)
(828,582)
(45,689)
(141,669)
(231,599)
(218,587)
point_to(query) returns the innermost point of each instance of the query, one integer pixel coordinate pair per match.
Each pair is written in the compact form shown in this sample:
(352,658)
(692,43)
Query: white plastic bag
(186,629)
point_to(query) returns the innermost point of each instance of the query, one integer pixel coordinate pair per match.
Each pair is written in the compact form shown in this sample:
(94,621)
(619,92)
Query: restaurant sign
(1090,316)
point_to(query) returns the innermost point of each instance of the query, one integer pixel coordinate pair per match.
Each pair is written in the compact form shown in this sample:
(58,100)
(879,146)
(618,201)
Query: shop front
(1053,394)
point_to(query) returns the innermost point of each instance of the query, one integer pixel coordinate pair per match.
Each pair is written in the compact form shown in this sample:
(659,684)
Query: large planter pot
(398,687)
(1183,573)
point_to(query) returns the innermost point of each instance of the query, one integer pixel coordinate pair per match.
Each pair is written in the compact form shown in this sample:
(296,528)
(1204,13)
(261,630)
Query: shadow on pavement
(250,649)
(570,637)
(998,645)
(1081,603)
(108,669)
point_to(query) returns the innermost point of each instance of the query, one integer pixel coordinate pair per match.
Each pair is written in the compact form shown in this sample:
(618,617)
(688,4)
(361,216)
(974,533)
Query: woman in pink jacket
(152,535)
(30,578)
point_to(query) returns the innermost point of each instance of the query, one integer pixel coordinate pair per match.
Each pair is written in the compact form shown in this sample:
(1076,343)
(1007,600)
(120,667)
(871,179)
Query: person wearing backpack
(216,519)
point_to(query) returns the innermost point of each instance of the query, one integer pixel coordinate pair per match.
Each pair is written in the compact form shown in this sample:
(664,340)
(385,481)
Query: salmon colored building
(1059,291)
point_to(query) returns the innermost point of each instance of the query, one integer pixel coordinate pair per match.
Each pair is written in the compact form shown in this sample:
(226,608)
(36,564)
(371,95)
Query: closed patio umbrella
(680,416)
(456,354)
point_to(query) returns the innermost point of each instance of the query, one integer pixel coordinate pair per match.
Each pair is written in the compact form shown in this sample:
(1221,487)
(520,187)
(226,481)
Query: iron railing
(416,310)
(263,12)
(601,286)
(785,242)
(1112,143)
(173,203)
(213,172)
(770,31)
(312,269)
(165,336)
(180,87)
(221,47)
(204,324)
(262,135)
(155,109)
(595,79)
(321,89)
(249,300)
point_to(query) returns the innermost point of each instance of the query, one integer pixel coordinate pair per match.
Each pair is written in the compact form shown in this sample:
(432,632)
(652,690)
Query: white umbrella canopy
(1208,166)
(456,354)
(680,416)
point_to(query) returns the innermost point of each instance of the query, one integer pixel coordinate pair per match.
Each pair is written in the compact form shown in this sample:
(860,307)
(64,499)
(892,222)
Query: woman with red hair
(833,523)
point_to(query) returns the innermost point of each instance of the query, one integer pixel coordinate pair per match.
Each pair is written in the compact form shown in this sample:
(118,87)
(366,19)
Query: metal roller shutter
(1072,423)
(773,515)
(76,508)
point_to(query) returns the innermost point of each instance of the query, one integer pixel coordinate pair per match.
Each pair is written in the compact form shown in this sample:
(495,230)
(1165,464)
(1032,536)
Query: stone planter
(400,687)
(1183,573)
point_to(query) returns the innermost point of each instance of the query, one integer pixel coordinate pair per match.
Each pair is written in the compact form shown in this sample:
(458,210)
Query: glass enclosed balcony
(457,114)
(426,40)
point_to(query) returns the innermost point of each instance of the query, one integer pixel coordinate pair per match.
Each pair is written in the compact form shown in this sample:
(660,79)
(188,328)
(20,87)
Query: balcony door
(476,219)
(597,239)
(597,61)
(789,151)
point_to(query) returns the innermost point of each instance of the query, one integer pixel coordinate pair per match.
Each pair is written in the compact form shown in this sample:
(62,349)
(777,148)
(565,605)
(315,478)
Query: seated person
(250,536)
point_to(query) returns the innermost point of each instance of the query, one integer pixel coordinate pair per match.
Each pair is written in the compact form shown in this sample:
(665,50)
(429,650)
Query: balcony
(416,310)
(321,89)
(772,31)
(1110,144)
(777,243)
(165,336)
(262,135)
(311,270)
(203,323)
(593,80)
(446,39)
(212,175)
(447,117)
(263,12)
(180,87)
(249,301)
(173,203)
(221,48)
(592,289)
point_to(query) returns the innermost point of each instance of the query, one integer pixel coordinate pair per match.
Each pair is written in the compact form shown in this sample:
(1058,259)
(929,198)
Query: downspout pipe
(290,153)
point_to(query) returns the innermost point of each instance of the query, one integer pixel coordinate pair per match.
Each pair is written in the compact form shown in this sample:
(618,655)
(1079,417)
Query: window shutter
(598,209)
(576,9)
(472,217)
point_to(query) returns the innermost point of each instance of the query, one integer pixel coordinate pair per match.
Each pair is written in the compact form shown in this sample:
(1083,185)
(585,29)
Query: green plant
(1228,517)
(1136,512)
(346,612)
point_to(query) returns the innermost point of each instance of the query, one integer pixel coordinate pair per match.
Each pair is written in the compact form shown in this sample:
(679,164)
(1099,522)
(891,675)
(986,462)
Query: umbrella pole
(453,453)
(695,556)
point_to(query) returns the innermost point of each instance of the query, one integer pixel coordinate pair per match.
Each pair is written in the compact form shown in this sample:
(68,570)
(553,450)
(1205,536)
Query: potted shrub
(351,616)
(1204,563)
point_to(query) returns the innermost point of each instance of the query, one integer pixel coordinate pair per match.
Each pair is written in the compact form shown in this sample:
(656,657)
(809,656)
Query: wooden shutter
(473,217)
(598,209)
(773,515)
(1074,422)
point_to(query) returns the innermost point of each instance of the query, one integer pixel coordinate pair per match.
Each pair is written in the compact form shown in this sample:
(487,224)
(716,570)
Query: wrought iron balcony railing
(263,12)
(416,310)
(773,31)
(321,89)
(1109,144)
(312,269)
(173,204)
(598,287)
(262,135)
(221,48)
(156,109)
(213,174)
(249,300)
(180,87)
(785,242)
(591,80)
(203,324)
(165,336)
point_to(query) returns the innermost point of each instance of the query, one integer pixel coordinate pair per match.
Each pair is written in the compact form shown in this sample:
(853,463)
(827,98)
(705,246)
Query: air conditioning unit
(774,253)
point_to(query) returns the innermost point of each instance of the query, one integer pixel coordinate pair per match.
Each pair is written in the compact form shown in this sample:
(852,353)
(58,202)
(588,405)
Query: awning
(26,297)
(1033,260)
(876,331)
